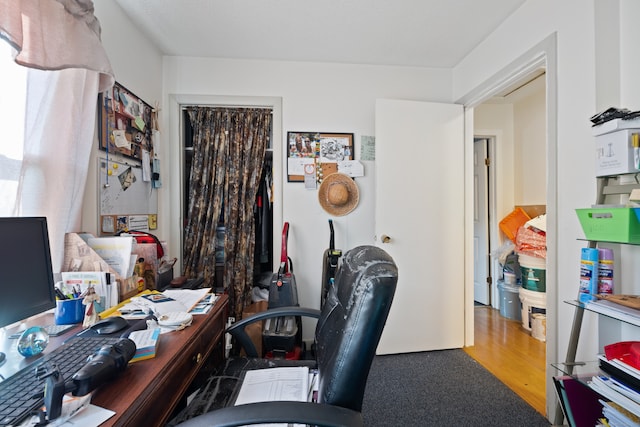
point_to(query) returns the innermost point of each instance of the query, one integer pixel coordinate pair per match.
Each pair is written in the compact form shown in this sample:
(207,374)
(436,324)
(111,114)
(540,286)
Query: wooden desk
(148,391)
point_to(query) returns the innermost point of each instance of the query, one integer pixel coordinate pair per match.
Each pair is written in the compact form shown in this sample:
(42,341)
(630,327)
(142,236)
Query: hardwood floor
(507,350)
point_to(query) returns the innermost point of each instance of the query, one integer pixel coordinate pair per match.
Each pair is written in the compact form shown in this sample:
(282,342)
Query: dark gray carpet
(441,388)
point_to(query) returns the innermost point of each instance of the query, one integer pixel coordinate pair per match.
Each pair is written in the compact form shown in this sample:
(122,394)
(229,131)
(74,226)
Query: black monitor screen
(26,276)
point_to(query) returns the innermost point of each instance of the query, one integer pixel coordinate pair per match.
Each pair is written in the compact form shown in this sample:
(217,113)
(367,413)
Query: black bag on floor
(282,336)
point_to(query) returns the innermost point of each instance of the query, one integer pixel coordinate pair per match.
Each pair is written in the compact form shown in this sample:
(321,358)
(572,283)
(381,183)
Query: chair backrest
(351,323)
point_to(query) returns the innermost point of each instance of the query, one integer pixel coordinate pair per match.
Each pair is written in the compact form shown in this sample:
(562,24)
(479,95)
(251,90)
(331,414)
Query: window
(47,124)
(12,119)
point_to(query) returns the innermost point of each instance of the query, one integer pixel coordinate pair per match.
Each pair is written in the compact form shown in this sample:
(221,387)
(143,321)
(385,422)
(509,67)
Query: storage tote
(610,224)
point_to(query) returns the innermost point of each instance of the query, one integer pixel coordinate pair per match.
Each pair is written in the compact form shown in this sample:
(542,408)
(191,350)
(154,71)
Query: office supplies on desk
(99,368)
(131,325)
(175,321)
(146,343)
(116,251)
(110,325)
(69,311)
(52,330)
(78,282)
(171,300)
(189,297)
(17,391)
(77,411)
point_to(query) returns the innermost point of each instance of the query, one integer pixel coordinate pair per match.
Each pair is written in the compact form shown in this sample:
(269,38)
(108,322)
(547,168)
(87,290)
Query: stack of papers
(618,392)
(146,343)
(158,304)
(204,305)
(618,416)
(116,251)
(169,301)
(617,311)
(267,385)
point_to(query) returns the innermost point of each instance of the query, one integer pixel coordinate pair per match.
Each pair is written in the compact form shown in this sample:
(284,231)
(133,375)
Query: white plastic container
(509,278)
(539,326)
(532,302)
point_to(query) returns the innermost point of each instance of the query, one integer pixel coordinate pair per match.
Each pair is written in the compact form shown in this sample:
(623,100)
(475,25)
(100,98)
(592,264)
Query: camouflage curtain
(229,146)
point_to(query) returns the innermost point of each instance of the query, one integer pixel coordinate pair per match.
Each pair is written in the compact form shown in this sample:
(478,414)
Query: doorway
(510,128)
(482,221)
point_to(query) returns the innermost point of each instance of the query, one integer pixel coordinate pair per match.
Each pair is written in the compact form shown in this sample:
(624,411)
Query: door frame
(544,54)
(174,203)
(492,227)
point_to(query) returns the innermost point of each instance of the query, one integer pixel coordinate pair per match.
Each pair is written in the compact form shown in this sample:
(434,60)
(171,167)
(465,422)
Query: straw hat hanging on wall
(338,194)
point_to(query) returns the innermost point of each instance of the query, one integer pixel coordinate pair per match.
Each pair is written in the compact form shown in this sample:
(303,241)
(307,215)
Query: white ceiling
(422,33)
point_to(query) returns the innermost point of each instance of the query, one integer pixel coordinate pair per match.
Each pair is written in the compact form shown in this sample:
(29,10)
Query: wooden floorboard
(507,350)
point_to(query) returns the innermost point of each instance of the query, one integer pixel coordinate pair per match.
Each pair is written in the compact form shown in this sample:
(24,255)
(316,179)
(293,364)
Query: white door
(420,206)
(480,222)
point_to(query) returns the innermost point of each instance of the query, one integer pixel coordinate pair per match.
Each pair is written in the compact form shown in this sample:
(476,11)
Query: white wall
(529,114)
(498,120)
(137,65)
(315,97)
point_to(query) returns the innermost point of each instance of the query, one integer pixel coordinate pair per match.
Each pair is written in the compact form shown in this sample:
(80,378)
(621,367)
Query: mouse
(110,325)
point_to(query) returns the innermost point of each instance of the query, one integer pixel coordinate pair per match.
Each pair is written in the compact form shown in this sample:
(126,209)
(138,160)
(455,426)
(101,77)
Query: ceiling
(420,33)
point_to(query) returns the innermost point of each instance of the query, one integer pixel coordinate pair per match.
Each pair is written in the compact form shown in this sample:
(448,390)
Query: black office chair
(347,334)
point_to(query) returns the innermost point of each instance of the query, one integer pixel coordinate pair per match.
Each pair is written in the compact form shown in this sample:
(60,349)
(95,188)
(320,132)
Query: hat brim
(352,188)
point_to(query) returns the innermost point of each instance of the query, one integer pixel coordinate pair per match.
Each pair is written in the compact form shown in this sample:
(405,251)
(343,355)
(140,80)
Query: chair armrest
(278,412)
(237,330)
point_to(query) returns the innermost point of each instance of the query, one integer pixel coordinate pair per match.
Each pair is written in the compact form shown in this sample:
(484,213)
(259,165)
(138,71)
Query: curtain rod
(185,107)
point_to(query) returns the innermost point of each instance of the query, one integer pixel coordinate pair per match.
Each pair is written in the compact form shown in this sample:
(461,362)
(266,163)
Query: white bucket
(532,302)
(539,326)
(532,261)
(509,278)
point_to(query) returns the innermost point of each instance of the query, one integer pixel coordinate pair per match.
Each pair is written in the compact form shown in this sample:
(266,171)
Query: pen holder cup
(69,311)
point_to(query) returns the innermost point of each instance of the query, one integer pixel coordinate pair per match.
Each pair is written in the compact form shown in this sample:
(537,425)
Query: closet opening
(254,248)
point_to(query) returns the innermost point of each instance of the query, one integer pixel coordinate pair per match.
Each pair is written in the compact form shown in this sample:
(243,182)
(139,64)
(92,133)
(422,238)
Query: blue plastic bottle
(588,274)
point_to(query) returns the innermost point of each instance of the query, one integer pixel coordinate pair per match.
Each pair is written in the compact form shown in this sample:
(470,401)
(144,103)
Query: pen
(59,294)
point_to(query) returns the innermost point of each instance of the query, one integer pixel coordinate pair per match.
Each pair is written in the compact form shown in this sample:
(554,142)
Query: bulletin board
(125,123)
(125,196)
(322,150)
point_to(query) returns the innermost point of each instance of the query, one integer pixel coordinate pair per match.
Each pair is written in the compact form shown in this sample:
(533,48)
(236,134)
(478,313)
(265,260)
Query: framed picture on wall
(323,150)
(125,123)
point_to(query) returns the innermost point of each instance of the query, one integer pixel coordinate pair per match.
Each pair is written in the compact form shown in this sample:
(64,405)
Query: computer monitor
(26,274)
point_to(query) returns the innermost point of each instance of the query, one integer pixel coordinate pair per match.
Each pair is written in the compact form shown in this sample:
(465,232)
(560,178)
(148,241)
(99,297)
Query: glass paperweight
(33,341)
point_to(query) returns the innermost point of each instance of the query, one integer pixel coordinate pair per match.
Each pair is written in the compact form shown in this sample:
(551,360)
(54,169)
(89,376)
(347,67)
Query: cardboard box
(615,153)
(254,330)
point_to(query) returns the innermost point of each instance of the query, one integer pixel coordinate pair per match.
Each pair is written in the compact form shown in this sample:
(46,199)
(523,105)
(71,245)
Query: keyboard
(52,330)
(55,330)
(17,401)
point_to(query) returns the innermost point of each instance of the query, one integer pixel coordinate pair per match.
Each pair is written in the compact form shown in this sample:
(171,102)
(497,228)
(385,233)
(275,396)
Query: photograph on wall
(320,149)
(125,123)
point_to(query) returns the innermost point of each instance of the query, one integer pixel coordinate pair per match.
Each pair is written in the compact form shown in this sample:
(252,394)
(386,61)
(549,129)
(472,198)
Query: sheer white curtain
(58,102)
